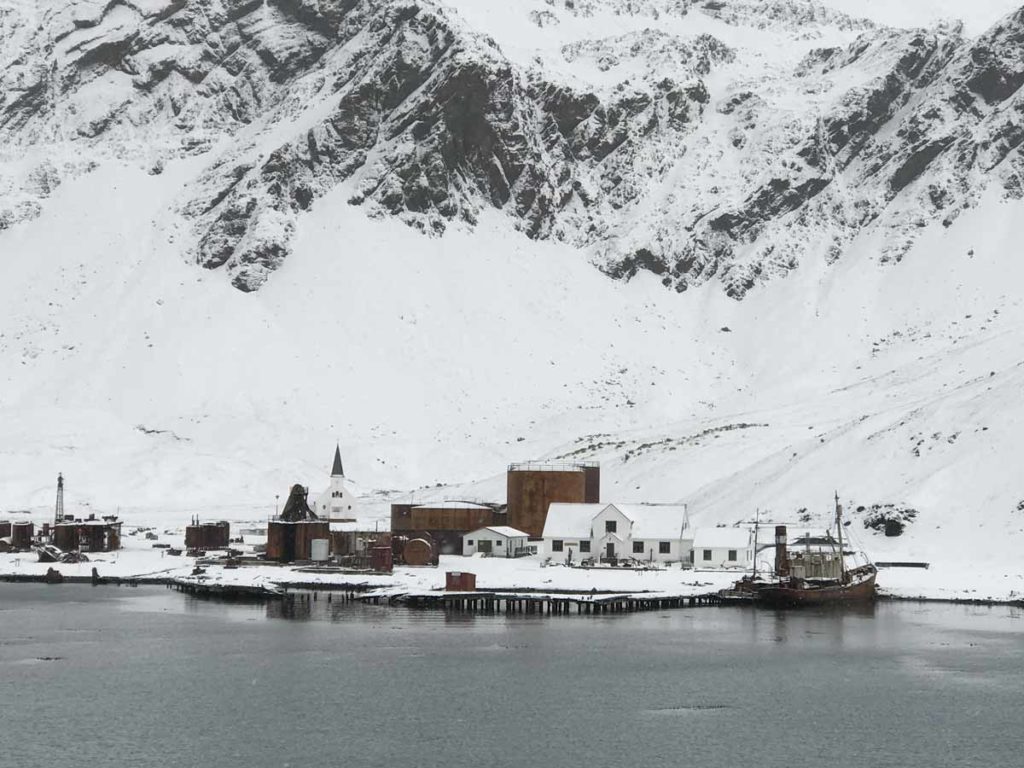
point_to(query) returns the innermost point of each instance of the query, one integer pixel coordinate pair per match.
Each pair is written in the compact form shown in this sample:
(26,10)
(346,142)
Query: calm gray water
(147,677)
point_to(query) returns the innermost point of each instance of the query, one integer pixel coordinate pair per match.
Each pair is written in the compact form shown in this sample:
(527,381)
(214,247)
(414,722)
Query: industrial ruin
(298,533)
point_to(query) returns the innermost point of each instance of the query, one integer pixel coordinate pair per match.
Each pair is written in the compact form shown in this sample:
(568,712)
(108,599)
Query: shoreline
(358,591)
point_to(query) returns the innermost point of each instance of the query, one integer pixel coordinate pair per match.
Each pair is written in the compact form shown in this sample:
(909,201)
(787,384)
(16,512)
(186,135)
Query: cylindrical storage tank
(418,552)
(21,535)
(319,550)
(65,537)
(533,487)
(381,559)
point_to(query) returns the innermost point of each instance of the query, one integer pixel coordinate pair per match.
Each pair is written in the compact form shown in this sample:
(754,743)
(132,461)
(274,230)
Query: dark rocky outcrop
(427,121)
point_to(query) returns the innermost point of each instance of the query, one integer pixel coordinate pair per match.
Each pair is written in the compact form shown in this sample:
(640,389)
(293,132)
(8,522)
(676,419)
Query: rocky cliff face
(701,140)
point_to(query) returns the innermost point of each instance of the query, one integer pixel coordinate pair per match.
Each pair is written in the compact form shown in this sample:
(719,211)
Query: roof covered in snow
(451,505)
(570,521)
(655,521)
(502,530)
(722,538)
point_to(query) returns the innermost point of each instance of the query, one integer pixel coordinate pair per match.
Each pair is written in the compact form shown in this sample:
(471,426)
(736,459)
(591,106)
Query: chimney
(781,554)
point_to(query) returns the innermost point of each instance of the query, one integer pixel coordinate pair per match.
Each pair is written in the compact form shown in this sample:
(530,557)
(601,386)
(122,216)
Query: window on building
(707,554)
(498,543)
(664,547)
(469,542)
(610,526)
(584,547)
(638,547)
(732,555)
(556,545)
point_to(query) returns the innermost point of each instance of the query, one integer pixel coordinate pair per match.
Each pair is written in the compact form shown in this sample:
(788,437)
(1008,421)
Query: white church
(337,502)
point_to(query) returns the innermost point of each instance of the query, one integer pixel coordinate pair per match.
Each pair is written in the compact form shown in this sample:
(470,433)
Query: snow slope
(161,390)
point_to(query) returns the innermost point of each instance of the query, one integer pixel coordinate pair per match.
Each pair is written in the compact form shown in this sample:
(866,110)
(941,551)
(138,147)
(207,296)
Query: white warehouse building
(648,532)
(495,540)
(718,548)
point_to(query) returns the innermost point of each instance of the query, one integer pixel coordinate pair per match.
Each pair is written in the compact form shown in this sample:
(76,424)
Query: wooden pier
(554,604)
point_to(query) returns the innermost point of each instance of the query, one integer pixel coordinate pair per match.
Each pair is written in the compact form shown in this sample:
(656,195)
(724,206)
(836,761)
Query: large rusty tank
(419,551)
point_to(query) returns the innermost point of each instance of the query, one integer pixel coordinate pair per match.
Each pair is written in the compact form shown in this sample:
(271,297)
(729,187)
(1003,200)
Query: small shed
(495,541)
(719,548)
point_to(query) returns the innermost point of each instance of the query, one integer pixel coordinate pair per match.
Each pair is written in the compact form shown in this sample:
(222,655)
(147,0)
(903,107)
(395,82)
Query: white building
(646,532)
(723,548)
(337,501)
(495,540)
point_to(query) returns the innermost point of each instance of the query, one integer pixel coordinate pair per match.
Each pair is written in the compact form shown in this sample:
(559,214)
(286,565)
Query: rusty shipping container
(459,581)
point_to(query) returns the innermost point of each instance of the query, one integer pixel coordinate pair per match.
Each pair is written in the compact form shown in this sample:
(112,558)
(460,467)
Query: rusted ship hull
(861,590)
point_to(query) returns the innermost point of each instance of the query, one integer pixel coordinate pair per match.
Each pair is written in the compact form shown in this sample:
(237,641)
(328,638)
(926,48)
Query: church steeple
(337,470)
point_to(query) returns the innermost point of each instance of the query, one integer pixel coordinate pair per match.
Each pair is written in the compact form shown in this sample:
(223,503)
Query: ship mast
(839,535)
(757,519)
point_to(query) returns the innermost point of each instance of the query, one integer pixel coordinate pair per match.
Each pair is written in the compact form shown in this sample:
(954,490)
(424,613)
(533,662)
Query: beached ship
(815,575)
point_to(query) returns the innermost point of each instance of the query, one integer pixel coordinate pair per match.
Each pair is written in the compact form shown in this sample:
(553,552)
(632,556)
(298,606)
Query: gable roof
(570,521)
(655,521)
(502,530)
(337,470)
(722,538)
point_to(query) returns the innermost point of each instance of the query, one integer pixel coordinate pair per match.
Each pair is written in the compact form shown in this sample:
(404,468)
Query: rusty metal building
(443,523)
(533,487)
(290,537)
(89,535)
(288,542)
(208,535)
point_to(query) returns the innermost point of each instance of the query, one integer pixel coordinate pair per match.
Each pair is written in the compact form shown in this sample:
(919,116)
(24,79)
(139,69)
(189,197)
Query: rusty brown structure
(89,535)
(533,487)
(444,523)
(459,581)
(288,542)
(781,551)
(381,559)
(22,534)
(421,550)
(208,535)
(290,536)
(445,516)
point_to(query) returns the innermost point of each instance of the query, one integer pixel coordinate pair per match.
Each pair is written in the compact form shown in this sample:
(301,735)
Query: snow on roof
(570,521)
(722,538)
(502,530)
(451,505)
(655,521)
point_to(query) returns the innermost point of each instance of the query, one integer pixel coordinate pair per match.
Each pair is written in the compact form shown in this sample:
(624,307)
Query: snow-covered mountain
(741,251)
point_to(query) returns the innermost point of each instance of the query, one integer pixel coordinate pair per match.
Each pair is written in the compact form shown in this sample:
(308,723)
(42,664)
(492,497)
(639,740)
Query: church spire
(337,470)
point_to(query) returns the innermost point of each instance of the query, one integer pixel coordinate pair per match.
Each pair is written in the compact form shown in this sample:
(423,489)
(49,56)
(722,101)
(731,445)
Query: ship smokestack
(781,553)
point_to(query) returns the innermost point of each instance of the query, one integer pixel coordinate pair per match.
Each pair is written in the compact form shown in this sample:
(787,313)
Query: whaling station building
(532,487)
(497,541)
(723,548)
(612,532)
